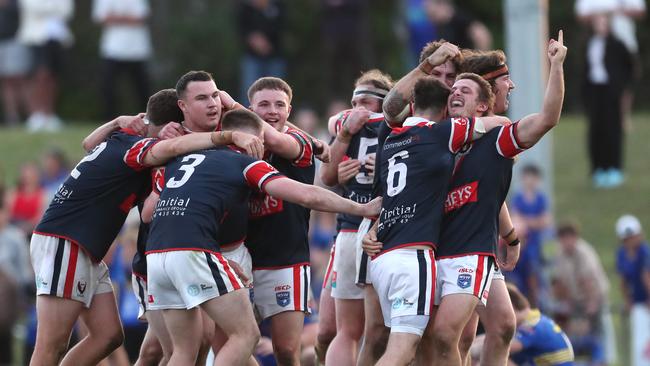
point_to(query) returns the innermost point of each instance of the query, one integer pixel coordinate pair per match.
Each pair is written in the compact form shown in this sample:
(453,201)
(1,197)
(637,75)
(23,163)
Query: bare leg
(219,339)
(286,329)
(151,352)
(375,332)
(498,318)
(206,340)
(425,354)
(349,324)
(105,333)
(467,338)
(326,324)
(234,315)
(184,327)
(453,314)
(400,350)
(55,317)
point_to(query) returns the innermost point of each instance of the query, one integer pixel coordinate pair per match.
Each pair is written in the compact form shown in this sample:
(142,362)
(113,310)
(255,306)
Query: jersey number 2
(395,168)
(75,173)
(188,170)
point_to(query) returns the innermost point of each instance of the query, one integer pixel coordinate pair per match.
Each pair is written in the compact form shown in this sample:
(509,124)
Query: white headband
(367,91)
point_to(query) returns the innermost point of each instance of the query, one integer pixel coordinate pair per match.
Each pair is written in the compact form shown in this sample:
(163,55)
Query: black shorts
(48,56)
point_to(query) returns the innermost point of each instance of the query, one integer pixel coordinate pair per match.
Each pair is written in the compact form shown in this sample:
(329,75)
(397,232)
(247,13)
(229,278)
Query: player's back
(416,165)
(543,341)
(90,207)
(200,188)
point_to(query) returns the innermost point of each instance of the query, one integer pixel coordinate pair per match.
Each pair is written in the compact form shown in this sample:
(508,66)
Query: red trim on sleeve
(258,173)
(460,133)
(507,144)
(158,179)
(134,157)
(306,156)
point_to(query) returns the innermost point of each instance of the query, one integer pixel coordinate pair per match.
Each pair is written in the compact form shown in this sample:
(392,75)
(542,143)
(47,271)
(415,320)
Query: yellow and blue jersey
(544,343)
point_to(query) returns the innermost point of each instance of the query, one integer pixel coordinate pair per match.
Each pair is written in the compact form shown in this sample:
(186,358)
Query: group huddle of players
(225,192)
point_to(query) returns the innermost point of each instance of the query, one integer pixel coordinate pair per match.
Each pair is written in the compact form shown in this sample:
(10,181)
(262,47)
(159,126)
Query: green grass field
(596,210)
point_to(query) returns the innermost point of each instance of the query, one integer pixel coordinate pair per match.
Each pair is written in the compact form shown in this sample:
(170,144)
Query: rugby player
(199,190)
(467,250)
(87,213)
(352,166)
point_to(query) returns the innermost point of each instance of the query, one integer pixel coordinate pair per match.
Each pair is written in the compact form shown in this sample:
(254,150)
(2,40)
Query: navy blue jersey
(278,230)
(359,187)
(416,165)
(543,342)
(139,263)
(382,133)
(235,225)
(479,186)
(199,190)
(90,207)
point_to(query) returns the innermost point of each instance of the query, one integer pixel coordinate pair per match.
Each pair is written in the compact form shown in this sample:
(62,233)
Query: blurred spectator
(16,277)
(43,27)
(420,30)
(633,265)
(581,288)
(624,13)
(14,63)
(322,228)
(457,27)
(54,166)
(608,72)
(528,275)
(307,119)
(27,201)
(345,41)
(531,204)
(261,26)
(125,48)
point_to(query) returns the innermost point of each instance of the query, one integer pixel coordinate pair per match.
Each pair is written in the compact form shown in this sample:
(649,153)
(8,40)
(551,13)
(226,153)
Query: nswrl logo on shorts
(464,280)
(193,290)
(282,298)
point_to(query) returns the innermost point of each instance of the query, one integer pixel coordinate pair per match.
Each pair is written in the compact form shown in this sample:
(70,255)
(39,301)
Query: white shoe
(36,122)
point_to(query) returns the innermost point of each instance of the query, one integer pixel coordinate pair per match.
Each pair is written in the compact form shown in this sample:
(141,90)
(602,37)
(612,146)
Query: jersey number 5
(364,145)
(394,168)
(188,170)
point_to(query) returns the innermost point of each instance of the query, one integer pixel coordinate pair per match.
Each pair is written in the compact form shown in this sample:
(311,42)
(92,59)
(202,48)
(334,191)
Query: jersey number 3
(188,170)
(399,170)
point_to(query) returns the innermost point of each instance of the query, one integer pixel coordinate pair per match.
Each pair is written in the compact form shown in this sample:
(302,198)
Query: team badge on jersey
(464,280)
(283,298)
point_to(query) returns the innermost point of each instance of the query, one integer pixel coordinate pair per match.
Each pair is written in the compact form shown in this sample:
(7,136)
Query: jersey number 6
(395,168)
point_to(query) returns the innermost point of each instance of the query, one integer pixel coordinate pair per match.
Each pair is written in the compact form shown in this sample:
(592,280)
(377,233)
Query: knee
(445,338)
(286,353)
(352,330)
(116,339)
(151,353)
(326,332)
(503,330)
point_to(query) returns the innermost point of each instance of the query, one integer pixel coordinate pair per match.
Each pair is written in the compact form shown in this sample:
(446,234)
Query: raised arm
(343,131)
(101,133)
(317,198)
(164,150)
(397,100)
(532,127)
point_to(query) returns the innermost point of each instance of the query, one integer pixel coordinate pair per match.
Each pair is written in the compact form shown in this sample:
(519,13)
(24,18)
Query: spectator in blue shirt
(633,265)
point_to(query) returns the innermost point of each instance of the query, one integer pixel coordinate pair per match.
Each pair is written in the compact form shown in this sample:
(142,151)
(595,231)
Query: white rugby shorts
(63,269)
(362,259)
(139,286)
(184,279)
(344,270)
(282,289)
(470,274)
(241,256)
(405,283)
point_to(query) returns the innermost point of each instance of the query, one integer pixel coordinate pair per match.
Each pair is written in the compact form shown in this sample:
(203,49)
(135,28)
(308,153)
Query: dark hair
(430,93)
(241,120)
(483,62)
(162,107)
(431,47)
(485,93)
(519,301)
(271,83)
(185,80)
(376,78)
(532,170)
(568,227)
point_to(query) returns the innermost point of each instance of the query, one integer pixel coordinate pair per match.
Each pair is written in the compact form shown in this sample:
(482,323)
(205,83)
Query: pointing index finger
(560,37)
